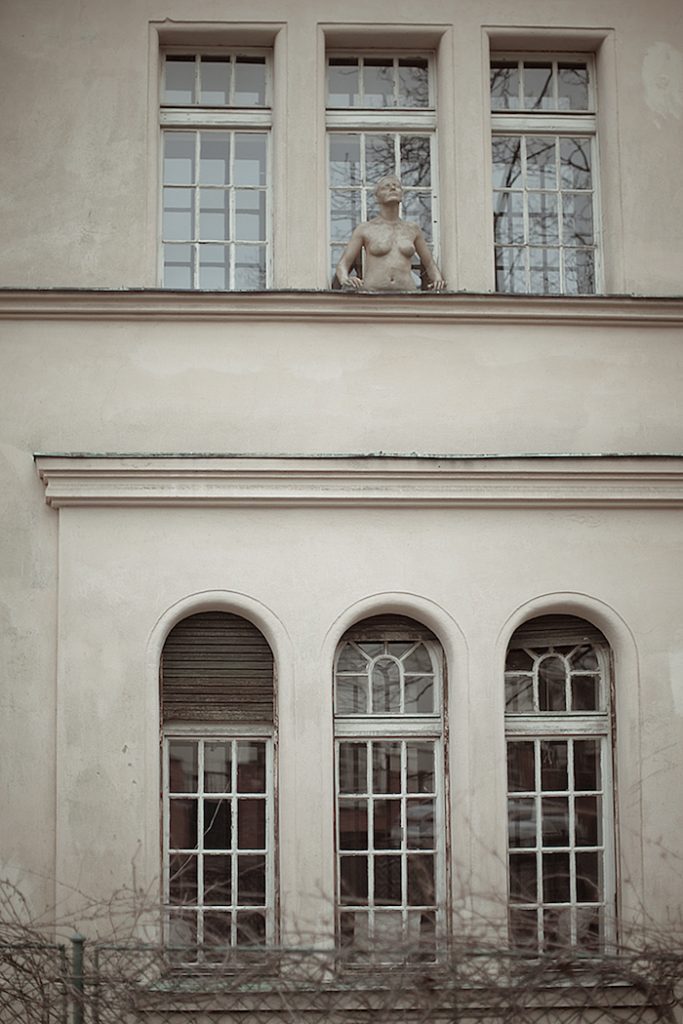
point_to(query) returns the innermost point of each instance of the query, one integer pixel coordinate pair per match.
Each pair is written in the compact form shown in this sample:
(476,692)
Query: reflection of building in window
(544,176)
(381,119)
(215,116)
(217,706)
(390,788)
(557,698)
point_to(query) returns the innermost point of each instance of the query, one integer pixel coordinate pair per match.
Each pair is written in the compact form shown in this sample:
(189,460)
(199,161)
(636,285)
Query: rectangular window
(544,175)
(381,119)
(218,843)
(215,118)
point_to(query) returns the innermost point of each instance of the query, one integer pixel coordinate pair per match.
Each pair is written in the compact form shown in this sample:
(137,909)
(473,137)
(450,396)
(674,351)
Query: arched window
(560,794)
(217,704)
(388,701)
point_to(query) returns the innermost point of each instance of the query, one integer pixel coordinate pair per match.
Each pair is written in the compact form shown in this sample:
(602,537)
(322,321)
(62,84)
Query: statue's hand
(436,286)
(353,283)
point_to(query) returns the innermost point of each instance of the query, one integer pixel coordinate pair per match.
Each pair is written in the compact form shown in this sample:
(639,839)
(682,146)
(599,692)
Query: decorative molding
(327,306)
(357,482)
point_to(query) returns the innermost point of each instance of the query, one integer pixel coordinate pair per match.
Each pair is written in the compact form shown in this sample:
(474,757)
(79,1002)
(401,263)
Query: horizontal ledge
(361,483)
(324,306)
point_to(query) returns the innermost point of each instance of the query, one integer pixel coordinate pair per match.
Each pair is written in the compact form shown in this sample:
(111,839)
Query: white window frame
(569,725)
(208,733)
(195,117)
(396,121)
(396,727)
(555,124)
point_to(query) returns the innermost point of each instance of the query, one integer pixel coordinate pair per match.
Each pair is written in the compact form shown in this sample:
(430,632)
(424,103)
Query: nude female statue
(390,244)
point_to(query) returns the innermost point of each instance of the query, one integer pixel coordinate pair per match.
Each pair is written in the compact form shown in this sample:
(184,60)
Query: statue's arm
(433,272)
(348,258)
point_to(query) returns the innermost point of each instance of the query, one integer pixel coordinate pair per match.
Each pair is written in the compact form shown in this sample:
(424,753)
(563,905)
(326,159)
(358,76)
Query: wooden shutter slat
(216,666)
(388,627)
(557,630)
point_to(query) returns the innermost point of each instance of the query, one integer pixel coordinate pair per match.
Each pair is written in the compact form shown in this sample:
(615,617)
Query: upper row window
(381,120)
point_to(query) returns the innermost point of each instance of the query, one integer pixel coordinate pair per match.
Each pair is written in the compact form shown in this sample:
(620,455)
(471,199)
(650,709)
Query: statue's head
(389,187)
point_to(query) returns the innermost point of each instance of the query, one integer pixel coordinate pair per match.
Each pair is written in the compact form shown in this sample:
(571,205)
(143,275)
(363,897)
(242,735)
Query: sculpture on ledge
(390,244)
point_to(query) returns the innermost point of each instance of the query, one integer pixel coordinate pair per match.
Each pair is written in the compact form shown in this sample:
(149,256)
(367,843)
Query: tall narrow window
(215,118)
(381,119)
(559,769)
(217,709)
(388,698)
(544,175)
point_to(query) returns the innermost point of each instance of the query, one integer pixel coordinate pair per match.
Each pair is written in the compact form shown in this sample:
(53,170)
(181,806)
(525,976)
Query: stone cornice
(359,482)
(326,306)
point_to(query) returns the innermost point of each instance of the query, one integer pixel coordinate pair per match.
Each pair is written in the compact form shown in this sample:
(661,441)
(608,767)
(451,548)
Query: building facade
(335,613)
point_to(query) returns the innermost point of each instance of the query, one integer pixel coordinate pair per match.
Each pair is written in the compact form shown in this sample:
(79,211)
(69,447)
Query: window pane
(588,820)
(551,681)
(541,171)
(538,88)
(556,878)
(345,160)
(420,821)
(183,771)
(507,167)
(353,879)
(522,823)
(250,215)
(386,686)
(420,879)
(182,880)
(214,81)
(585,693)
(510,270)
(386,767)
(217,825)
(352,768)
(413,83)
(587,765)
(179,150)
(577,219)
(417,207)
(179,266)
(544,279)
(251,881)
(519,694)
(217,928)
(214,267)
(250,267)
(543,219)
(353,825)
(572,86)
(419,695)
(387,879)
(418,660)
(250,159)
(579,271)
(250,82)
(351,660)
(217,773)
(415,160)
(178,213)
(575,163)
(251,824)
(508,218)
(214,158)
(588,877)
(342,82)
(523,882)
(555,821)
(183,825)
(251,929)
(217,880)
(420,767)
(387,824)
(524,928)
(554,765)
(521,761)
(379,157)
(179,80)
(378,82)
(214,214)
(504,85)
(345,214)
(251,766)
(352,695)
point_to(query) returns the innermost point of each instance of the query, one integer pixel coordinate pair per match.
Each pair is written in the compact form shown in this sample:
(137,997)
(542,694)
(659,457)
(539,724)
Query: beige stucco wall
(80,97)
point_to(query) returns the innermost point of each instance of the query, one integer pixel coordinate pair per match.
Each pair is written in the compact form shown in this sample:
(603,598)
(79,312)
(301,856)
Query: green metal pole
(77,981)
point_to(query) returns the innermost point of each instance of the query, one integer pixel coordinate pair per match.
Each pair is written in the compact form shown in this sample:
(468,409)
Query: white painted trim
(357,482)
